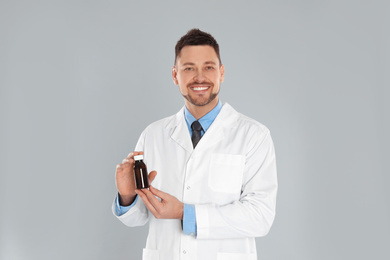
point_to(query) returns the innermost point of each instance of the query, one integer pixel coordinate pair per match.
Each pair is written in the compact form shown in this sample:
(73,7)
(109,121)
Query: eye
(188,69)
(209,68)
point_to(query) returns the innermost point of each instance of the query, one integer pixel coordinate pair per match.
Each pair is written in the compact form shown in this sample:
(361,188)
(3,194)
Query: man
(210,197)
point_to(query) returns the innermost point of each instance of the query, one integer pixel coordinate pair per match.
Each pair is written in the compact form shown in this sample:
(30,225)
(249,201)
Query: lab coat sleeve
(138,214)
(253,214)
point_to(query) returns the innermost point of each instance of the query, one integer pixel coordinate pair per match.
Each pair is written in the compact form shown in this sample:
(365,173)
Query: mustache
(200,83)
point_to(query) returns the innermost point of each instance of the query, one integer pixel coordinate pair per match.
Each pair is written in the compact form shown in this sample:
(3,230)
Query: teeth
(200,88)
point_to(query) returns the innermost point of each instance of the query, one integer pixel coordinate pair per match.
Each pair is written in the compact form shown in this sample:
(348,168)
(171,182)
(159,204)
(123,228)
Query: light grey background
(80,80)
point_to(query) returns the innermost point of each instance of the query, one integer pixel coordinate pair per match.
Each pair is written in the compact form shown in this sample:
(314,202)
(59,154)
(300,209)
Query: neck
(199,111)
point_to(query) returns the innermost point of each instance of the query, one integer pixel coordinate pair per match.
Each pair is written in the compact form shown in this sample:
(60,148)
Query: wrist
(126,200)
(181,212)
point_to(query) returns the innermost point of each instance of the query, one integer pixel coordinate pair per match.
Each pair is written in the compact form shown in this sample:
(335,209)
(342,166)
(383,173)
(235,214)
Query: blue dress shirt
(189,217)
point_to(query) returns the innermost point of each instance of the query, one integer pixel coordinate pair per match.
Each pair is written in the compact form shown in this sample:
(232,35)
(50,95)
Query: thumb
(151,176)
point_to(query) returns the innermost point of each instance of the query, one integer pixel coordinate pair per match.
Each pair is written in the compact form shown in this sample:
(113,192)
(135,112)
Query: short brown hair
(196,37)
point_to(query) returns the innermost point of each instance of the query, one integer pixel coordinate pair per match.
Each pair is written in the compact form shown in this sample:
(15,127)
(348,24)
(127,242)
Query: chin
(203,102)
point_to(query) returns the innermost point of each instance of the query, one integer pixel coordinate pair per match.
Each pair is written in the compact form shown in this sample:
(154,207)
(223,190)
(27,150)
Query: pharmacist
(213,172)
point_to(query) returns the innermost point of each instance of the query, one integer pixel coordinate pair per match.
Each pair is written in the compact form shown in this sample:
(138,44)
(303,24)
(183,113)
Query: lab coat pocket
(149,254)
(235,256)
(225,172)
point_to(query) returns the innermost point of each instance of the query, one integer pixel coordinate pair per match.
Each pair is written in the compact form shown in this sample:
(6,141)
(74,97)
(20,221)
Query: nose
(199,77)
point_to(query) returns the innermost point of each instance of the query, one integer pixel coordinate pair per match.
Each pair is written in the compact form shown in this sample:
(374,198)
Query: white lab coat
(230,177)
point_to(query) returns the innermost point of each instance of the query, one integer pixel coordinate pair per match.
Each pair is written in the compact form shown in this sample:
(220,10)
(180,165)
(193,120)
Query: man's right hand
(125,181)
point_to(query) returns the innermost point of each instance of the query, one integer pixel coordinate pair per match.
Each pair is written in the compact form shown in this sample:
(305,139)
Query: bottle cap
(138,157)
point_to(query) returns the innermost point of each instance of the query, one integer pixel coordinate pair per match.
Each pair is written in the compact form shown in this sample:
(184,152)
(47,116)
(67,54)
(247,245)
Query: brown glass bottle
(140,173)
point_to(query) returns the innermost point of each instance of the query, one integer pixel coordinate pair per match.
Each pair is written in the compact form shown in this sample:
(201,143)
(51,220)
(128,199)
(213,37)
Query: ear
(174,76)
(222,71)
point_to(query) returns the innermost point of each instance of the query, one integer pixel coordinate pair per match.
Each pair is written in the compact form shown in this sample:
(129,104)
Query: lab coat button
(188,187)
(184,251)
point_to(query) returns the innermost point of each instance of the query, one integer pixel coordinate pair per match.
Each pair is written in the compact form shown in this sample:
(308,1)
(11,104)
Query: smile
(199,88)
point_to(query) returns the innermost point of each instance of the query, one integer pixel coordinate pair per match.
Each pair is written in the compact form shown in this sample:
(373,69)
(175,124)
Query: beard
(201,101)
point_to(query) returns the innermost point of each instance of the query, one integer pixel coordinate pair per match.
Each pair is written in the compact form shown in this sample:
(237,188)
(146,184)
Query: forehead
(197,54)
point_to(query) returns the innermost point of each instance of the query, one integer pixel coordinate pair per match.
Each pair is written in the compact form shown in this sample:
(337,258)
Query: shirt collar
(204,121)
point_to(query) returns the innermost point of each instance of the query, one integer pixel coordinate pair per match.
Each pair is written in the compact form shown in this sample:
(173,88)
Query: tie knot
(196,126)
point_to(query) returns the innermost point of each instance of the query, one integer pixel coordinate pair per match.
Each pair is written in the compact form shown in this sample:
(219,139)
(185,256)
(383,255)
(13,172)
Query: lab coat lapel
(214,134)
(217,130)
(180,134)
(210,138)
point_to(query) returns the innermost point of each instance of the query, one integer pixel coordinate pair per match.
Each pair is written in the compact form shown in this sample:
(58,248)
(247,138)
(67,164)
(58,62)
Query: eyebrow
(192,64)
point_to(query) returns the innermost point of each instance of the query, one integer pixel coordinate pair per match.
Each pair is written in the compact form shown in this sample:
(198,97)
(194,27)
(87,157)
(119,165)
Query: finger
(151,176)
(132,154)
(152,200)
(127,160)
(119,167)
(146,202)
(158,193)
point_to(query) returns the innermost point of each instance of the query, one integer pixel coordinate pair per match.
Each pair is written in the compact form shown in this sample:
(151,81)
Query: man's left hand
(168,208)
